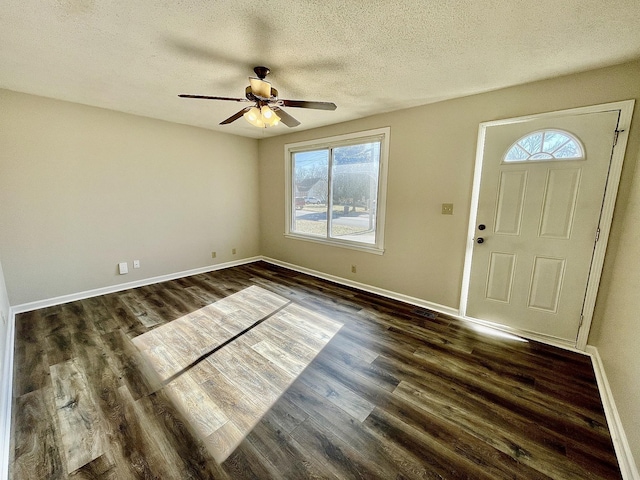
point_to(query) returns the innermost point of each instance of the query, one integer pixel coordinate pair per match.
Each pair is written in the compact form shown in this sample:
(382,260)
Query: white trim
(553,158)
(6,393)
(623,451)
(436,307)
(529,335)
(620,443)
(611,190)
(383,134)
(367,288)
(49,302)
(473,215)
(606,218)
(363,247)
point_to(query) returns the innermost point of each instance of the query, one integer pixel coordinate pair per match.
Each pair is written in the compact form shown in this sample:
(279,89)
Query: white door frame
(611,191)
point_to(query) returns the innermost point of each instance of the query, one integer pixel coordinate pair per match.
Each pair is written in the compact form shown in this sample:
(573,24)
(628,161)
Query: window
(336,190)
(545,145)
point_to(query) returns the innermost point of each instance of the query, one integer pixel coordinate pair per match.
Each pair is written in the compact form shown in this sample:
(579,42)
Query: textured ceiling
(368,57)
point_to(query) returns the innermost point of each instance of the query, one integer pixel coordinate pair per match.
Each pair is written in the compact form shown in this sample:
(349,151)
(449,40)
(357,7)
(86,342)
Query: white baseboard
(49,302)
(6,392)
(367,288)
(453,312)
(623,450)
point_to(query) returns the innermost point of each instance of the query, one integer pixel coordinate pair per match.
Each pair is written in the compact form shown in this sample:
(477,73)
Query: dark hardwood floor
(367,388)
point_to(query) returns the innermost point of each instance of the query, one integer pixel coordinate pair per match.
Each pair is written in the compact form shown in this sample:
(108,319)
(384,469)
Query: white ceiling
(367,56)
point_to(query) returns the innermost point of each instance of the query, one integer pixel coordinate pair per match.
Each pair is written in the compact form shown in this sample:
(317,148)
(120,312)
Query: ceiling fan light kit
(267,111)
(263,118)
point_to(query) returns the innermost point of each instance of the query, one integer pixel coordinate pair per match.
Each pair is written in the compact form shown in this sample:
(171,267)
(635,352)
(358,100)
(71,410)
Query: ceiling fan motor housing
(261,72)
(254,98)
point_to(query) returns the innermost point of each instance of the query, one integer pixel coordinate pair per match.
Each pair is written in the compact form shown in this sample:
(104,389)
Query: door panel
(531,270)
(560,196)
(510,202)
(546,283)
(500,277)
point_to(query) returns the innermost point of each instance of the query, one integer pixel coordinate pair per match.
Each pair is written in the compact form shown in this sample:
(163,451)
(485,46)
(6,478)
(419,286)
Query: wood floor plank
(36,450)
(342,459)
(439,459)
(284,416)
(80,424)
(147,316)
(99,315)
(195,405)
(513,442)
(139,377)
(352,432)
(262,366)
(236,373)
(338,394)
(284,454)
(176,442)
(332,382)
(244,410)
(284,359)
(224,440)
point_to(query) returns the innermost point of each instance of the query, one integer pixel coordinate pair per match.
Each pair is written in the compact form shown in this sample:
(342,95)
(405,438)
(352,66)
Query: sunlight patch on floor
(225,365)
(497,333)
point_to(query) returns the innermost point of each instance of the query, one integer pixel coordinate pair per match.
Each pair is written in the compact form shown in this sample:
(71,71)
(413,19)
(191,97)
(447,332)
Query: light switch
(123,268)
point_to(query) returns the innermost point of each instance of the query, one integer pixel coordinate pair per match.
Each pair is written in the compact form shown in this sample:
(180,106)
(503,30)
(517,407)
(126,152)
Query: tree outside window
(340,183)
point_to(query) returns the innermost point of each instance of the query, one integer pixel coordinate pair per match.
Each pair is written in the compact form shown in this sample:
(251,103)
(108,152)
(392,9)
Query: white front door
(539,203)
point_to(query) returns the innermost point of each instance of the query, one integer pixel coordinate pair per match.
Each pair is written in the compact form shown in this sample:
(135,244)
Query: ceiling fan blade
(287,119)
(235,116)
(205,97)
(305,104)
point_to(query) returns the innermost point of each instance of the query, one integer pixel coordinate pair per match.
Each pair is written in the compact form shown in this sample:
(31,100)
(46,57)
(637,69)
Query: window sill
(337,243)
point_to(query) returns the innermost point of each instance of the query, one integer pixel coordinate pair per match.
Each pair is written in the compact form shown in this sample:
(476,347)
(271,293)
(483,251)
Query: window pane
(516,153)
(545,145)
(532,143)
(541,156)
(354,176)
(310,190)
(553,140)
(570,150)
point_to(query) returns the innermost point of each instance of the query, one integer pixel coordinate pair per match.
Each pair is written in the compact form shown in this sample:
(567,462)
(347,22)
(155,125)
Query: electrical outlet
(123,268)
(136,264)
(447,209)
(213,254)
(233,250)
(353,269)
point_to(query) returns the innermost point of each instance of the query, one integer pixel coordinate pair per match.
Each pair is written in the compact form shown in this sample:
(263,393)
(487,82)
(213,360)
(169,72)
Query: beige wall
(83,188)
(617,333)
(4,317)
(4,299)
(432,155)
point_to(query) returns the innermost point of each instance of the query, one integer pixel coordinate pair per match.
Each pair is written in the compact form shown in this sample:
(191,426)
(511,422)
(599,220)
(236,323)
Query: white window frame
(381,134)
(569,135)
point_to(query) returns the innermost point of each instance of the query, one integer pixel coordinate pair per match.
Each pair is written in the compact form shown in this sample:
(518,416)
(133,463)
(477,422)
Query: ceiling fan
(267,109)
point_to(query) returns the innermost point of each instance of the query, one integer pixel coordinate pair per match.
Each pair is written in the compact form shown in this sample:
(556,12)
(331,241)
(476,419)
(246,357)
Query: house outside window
(336,189)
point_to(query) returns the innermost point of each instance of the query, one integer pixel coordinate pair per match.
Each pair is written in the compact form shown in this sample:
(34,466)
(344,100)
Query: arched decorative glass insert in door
(545,145)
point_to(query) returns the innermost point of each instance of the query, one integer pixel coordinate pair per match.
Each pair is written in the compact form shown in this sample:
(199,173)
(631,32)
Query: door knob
(480,240)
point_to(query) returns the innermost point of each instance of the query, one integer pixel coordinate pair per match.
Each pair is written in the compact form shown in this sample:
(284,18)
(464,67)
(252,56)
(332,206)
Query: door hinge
(597,234)
(581,320)
(616,133)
